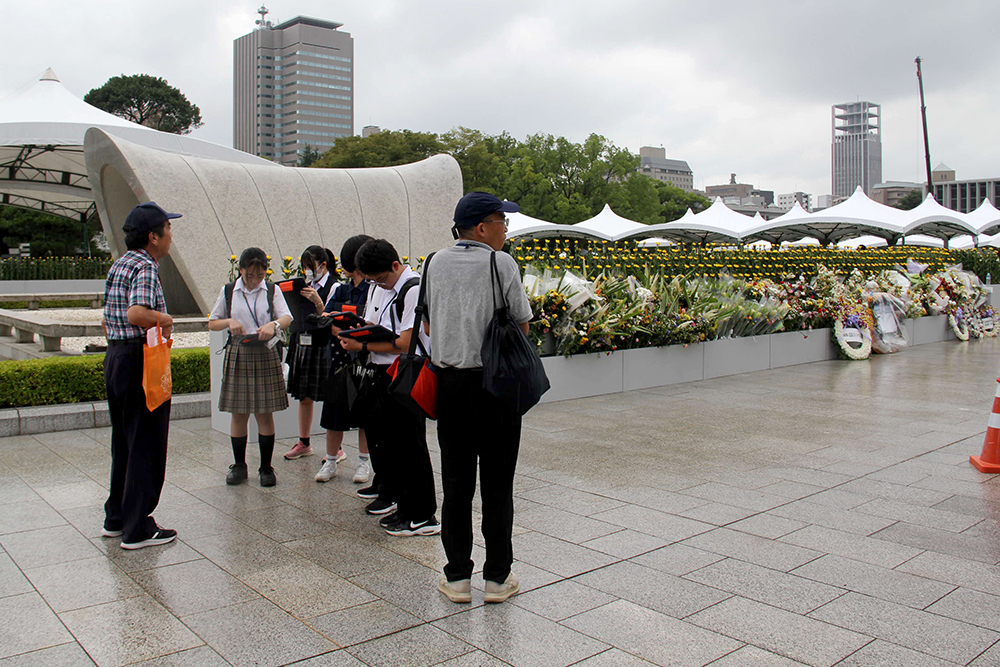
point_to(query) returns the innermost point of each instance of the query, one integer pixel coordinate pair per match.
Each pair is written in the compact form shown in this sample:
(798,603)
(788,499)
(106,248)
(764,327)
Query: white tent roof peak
(986,218)
(932,219)
(609,225)
(48,75)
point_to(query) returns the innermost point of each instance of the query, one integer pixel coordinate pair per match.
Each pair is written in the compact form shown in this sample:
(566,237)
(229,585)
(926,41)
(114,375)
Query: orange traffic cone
(989,460)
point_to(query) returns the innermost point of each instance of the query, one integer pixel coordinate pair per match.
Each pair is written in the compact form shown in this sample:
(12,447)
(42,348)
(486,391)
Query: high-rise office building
(293,86)
(857,147)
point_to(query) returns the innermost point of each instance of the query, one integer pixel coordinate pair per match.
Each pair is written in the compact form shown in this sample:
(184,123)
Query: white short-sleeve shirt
(250,308)
(381,309)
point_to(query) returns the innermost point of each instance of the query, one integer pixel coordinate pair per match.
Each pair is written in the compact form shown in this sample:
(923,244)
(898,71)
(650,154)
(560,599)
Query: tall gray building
(293,86)
(857,147)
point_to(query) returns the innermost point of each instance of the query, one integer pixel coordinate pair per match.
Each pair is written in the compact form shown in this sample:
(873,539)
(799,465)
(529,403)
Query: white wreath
(982,326)
(961,329)
(855,353)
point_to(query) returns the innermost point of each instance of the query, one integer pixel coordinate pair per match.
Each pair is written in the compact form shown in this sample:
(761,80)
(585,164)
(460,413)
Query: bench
(51,333)
(35,299)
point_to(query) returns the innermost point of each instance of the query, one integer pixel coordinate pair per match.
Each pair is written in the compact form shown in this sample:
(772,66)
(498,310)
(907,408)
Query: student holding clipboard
(252,381)
(309,346)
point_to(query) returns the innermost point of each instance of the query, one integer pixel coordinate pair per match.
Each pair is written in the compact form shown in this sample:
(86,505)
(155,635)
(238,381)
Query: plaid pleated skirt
(308,369)
(252,381)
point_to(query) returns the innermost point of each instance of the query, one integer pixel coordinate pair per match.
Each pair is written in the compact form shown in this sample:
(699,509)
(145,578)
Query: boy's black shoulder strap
(401,297)
(270,299)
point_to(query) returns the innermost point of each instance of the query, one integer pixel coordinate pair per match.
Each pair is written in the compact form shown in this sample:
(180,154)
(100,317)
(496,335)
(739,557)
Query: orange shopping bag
(156,380)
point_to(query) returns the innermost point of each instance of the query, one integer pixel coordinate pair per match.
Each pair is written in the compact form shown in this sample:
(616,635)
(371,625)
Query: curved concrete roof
(229,206)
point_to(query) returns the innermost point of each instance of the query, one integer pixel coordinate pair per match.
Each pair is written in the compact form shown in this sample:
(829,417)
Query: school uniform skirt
(252,381)
(308,369)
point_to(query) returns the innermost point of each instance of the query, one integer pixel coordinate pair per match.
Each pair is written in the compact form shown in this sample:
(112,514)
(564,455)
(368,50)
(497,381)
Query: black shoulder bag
(512,369)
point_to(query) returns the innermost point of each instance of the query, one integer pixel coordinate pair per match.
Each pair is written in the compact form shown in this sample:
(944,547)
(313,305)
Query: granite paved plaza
(823,514)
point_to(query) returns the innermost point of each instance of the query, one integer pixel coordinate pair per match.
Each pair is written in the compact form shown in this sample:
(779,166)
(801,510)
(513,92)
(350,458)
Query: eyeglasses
(505,221)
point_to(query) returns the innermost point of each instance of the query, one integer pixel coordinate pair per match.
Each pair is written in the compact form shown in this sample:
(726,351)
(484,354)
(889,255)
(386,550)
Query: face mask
(310,276)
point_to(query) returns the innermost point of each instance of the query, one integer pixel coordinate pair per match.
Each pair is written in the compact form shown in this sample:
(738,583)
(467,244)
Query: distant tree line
(551,177)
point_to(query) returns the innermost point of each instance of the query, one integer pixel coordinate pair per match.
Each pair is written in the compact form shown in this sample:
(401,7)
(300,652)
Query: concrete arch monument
(229,206)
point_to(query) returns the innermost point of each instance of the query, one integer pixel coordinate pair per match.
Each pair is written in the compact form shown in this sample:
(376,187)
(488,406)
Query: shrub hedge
(81,379)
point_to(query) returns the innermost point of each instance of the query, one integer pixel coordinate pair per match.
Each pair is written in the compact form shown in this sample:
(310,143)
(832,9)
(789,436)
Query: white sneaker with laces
(363,473)
(327,472)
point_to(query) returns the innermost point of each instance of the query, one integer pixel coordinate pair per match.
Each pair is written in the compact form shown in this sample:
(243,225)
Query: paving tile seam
(904,607)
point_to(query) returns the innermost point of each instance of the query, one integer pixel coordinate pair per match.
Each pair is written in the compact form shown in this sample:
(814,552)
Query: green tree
(387,148)
(674,202)
(146,100)
(474,155)
(308,157)
(910,200)
(49,235)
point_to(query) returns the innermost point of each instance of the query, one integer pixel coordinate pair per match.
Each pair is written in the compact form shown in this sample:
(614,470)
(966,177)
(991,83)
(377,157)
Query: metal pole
(923,117)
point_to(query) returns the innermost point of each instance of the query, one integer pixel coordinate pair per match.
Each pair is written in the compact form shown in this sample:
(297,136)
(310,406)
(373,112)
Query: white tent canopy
(716,223)
(608,225)
(932,219)
(41,148)
(524,225)
(986,218)
(854,217)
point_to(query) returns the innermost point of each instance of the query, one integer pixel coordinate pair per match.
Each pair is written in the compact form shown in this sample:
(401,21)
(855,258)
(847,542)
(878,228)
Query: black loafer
(267,477)
(237,474)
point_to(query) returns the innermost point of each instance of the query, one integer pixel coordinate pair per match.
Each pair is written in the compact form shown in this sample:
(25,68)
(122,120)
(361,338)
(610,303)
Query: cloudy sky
(729,86)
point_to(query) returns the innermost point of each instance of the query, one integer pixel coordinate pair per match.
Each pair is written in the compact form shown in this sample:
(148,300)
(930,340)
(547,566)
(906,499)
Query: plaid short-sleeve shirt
(133,280)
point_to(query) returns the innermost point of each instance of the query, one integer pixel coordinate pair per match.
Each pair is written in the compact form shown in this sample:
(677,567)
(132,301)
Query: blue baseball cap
(145,217)
(475,206)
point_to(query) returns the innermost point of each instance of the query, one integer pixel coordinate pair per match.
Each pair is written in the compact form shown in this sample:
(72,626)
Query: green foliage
(49,235)
(81,379)
(551,177)
(54,268)
(382,149)
(984,262)
(910,200)
(23,305)
(146,100)
(308,157)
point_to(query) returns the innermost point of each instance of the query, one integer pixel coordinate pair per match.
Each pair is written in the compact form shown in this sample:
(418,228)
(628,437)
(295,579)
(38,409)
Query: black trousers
(138,446)
(397,443)
(473,426)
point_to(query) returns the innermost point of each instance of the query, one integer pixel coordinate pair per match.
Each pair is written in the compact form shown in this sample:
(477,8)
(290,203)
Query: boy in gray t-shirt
(474,427)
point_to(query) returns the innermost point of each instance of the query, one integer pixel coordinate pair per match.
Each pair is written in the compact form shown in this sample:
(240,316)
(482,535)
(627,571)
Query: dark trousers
(138,446)
(474,426)
(397,442)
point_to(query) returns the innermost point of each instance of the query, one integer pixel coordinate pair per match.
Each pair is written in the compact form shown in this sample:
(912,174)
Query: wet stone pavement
(823,514)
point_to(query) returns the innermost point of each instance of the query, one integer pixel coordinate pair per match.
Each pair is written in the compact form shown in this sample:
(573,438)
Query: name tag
(305,340)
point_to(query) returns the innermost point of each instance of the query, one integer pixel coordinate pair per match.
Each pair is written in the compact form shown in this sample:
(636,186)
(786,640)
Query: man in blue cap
(473,425)
(133,301)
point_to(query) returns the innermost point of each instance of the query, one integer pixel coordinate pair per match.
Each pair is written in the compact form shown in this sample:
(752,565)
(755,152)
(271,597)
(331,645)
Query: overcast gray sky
(729,86)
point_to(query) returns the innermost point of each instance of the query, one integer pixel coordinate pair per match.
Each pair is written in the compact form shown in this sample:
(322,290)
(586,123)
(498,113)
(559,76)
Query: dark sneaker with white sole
(161,536)
(368,493)
(105,532)
(410,528)
(379,506)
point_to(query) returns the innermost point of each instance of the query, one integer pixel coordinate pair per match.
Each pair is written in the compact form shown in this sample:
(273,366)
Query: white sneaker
(341,455)
(327,472)
(363,473)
